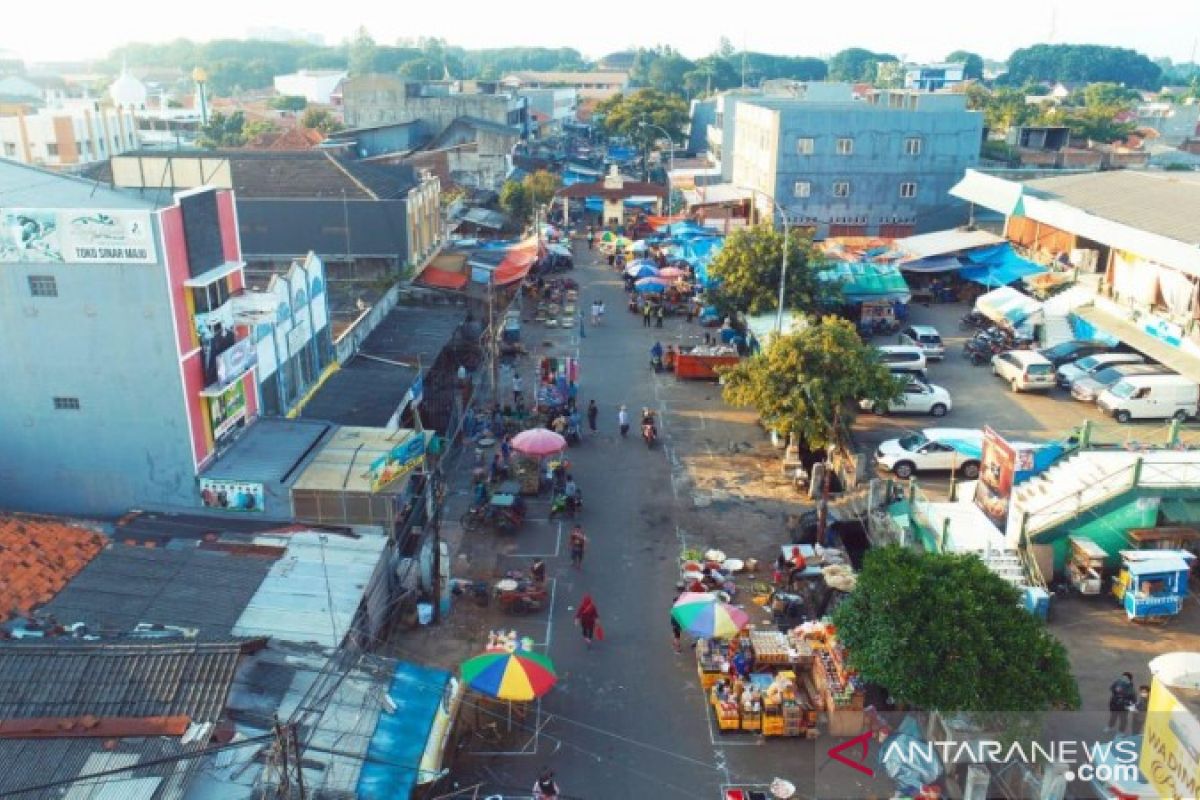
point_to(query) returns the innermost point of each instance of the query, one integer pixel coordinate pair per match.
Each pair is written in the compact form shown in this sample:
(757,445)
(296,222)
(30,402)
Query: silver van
(1089,389)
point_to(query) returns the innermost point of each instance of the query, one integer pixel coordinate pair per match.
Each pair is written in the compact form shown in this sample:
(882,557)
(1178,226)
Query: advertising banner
(233,362)
(229,495)
(76,236)
(227,411)
(1171,745)
(404,458)
(997,469)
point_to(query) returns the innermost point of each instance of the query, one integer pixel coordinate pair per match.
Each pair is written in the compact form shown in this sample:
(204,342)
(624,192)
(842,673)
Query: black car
(1066,352)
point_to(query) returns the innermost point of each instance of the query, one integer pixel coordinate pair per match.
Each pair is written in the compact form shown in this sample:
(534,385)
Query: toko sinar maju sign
(76,236)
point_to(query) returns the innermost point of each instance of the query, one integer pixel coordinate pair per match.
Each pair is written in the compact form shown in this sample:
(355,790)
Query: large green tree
(1109,95)
(320,119)
(807,382)
(1082,63)
(748,269)
(624,113)
(223,130)
(514,199)
(856,64)
(972,63)
(943,632)
(541,186)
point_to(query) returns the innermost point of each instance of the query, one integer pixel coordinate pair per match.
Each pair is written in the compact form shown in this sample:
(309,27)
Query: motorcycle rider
(656,356)
(571,493)
(649,429)
(545,788)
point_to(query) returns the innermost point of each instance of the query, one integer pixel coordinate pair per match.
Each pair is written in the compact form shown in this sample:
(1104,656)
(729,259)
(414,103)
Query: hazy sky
(923,30)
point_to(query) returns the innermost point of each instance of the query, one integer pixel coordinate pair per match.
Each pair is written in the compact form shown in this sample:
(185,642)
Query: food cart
(701,362)
(1085,565)
(1152,583)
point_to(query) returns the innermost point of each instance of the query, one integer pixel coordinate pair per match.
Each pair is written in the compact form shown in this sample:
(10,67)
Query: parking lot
(981,399)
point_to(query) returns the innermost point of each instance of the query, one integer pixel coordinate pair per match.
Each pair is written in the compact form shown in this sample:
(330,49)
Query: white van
(1151,397)
(902,357)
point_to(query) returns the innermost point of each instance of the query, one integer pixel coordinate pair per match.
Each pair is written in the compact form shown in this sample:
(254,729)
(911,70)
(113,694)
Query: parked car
(1024,370)
(1088,389)
(919,397)
(902,357)
(1069,373)
(1073,350)
(1151,397)
(925,337)
(932,449)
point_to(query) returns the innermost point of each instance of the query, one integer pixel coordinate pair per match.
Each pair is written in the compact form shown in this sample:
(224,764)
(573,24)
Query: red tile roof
(38,556)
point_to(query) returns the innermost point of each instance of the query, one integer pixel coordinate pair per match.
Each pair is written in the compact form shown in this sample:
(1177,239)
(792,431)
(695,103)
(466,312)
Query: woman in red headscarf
(586,616)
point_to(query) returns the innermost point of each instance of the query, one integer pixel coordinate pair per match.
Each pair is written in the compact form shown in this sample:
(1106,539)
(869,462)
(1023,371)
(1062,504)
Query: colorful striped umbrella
(510,676)
(703,615)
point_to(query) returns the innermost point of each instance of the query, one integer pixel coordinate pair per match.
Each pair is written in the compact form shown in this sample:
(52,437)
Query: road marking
(555,554)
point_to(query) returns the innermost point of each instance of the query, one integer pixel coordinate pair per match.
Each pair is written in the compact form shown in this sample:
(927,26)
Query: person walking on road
(1121,696)
(658,316)
(578,543)
(646,311)
(591,238)
(516,388)
(587,616)
(623,421)
(592,413)
(595,312)
(545,788)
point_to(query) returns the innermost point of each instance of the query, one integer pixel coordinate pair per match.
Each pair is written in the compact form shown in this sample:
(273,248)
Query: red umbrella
(538,442)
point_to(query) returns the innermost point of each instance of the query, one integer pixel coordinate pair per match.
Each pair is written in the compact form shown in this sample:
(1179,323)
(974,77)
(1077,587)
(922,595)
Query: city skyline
(925,35)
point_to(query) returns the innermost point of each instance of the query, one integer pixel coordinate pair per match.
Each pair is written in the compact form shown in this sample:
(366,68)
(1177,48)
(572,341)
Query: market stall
(701,362)
(1153,583)
(536,452)
(502,684)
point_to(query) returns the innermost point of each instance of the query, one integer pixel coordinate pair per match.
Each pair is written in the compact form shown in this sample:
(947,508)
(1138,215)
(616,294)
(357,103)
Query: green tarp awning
(863,282)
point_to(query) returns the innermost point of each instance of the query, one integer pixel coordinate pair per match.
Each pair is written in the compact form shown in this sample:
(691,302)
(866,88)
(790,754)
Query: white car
(1069,373)
(1024,370)
(933,449)
(918,398)
(925,337)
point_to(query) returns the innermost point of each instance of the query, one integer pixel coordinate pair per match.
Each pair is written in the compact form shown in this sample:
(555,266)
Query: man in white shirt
(623,420)
(516,387)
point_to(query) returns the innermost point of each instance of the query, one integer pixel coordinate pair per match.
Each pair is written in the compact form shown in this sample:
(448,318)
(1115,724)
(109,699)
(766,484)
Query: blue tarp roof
(998,265)
(398,743)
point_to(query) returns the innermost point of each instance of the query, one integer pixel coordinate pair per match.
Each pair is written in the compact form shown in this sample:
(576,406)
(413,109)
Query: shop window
(43,286)
(66,404)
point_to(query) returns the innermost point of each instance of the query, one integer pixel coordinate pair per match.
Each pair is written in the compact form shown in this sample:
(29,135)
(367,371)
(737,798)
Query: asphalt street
(627,718)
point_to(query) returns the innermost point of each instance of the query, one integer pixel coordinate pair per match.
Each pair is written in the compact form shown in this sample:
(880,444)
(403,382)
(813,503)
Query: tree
(320,119)
(1097,124)
(540,186)
(856,64)
(943,632)
(288,102)
(972,63)
(256,128)
(806,383)
(1109,95)
(1082,63)
(223,130)
(623,113)
(421,69)
(748,267)
(514,199)
(362,52)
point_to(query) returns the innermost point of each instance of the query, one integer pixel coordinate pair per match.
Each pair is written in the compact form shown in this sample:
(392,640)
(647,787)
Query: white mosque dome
(128,91)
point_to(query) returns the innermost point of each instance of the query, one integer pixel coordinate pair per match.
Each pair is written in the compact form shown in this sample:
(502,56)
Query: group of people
(1126,704)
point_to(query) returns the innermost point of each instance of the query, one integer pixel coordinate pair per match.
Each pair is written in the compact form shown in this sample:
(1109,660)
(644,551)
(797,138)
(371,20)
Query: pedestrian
(623,420)
(1120,698)
(676,630)
(544,788)
(689,309)
(602,311)
(587,616)
(595,312)
(577,543)
(1139,710)
(658,316)
(516,388)
(591,238)
(537,570)
(593,412)
(646,311)
(572,394)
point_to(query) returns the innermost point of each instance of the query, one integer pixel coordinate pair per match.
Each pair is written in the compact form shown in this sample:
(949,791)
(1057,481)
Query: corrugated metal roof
(292,603)
(269,451)
(1165,203)
(23,186)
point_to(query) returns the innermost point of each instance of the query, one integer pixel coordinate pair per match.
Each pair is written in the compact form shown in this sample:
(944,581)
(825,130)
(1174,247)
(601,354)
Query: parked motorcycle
(562,505)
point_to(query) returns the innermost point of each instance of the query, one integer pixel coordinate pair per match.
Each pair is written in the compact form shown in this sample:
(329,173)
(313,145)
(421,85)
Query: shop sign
(227,410)
(998,466)
(76,236)
(229,495)
(1170,745)
(233,362)
(298,336)
(403,458)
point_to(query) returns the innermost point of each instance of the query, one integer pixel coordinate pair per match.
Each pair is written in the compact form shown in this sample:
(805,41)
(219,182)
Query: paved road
(628,719)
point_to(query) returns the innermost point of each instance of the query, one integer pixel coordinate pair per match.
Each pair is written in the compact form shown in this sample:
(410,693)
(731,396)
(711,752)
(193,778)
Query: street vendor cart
(1085,565)
(1152,584)
(701,362)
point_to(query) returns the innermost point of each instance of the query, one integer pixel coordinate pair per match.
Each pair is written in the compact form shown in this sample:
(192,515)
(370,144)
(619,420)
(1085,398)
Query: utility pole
(282,747)
(294,738)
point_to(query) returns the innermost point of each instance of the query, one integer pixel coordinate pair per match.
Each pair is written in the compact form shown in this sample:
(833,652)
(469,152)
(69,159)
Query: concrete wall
(381,99)
(107,339)
(876,169)
(703,114)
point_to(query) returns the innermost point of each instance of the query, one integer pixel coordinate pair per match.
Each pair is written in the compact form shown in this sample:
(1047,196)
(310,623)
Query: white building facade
(74,135)
(315,86)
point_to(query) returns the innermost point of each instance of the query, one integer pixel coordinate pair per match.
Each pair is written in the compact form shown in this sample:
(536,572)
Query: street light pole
(671,155)
(783,267)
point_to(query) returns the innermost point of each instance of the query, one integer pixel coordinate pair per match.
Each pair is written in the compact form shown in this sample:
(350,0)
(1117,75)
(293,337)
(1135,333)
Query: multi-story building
(72,134)
(370,100)
(556,104)
(589,85)
(933,77)
(315,86)
(843,167)
(123,374)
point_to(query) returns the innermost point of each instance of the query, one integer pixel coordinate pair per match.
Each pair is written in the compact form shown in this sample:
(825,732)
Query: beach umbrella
(519,676)
(672,272)
(641,269)
(656,282)
(538,442)
(703,615)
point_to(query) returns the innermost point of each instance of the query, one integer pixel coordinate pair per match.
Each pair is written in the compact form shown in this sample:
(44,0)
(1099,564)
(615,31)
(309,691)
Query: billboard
(76,236)
(402,459)
(233,362)
(998,466)
(1171,744)
(227,411)
(229,495)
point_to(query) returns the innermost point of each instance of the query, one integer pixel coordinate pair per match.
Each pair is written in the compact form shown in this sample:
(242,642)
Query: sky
(926,30)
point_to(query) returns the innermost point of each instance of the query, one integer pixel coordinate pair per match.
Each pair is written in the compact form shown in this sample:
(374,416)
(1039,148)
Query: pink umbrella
(672,272)
(538,442)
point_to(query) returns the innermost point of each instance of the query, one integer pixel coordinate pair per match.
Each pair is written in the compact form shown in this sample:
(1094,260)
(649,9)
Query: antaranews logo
(861,743)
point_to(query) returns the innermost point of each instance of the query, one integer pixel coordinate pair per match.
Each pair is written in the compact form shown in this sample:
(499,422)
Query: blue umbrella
(651,285)
(641,269)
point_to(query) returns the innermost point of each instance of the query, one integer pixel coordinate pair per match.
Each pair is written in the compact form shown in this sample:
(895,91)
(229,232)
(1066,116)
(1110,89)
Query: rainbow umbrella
(517,676)
(703,615)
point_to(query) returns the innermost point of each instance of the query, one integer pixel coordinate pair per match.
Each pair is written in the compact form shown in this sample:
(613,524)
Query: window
(210,298)
(804,145)
(845,147)
(912,146)
(802,189)
(908,190)
(51,149)
(10,150)
(66,404)
(841,188)
(43,286)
